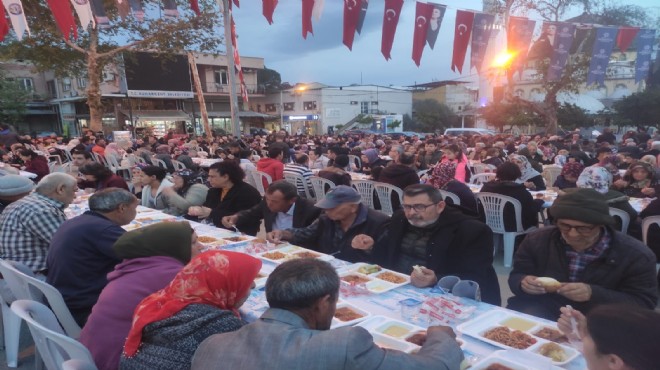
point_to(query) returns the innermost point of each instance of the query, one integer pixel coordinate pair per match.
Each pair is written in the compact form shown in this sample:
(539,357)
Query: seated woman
(639,181)
(493,157)
(202,300)
(34,163)
(569,175)
(443,177)
(336,173)
(529,177)
(152,255)
(505,183)
(185,193)
(454,154)
(99,177)
(371,161)
(615,337)
(153,182)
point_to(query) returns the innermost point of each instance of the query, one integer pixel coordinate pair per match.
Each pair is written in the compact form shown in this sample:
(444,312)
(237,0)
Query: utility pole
(231,73)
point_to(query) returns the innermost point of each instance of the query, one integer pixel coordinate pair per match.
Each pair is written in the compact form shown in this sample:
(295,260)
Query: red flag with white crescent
(307,7)
(390,21)
(194,5)
(462,32)
(237,60)
(4,25)
(63,17)
(625,36)
(352,9)
(268,8)
(423,13)
(17,17)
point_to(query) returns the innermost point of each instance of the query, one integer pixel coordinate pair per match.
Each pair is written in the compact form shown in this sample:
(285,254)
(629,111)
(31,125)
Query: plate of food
(509,330)
(262,276)
(376,278)
(346,315)
(289,252)
(395,334)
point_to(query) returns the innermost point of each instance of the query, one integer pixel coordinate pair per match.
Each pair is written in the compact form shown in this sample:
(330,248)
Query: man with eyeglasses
(593,263)
(429,239)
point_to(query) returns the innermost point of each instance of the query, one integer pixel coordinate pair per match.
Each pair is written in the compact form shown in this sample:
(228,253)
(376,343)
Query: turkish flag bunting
(237,60)
(4,25)
(122,8)
(352,9)
(307,7)
(64,17)
(423,13)
(462,31)
(625,37)
(390,21)
(268,9)
(194,5)
(237,4)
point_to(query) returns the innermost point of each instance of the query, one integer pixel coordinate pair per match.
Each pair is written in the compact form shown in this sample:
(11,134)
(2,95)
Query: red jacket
(271,166)
(38,166)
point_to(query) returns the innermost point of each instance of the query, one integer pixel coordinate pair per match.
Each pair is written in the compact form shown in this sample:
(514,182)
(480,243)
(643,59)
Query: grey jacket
(281,339)
(178,205)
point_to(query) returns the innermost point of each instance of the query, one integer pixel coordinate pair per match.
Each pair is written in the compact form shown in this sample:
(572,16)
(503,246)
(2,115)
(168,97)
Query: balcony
(222,89)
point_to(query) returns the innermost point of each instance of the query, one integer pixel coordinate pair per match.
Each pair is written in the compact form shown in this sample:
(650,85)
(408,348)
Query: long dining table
(378,306)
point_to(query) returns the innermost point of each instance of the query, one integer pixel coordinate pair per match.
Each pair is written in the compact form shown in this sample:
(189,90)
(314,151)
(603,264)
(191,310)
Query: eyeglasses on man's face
(582,229)
(416,207)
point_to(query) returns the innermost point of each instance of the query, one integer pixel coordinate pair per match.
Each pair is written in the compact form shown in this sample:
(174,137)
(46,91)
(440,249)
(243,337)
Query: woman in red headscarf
(202,300)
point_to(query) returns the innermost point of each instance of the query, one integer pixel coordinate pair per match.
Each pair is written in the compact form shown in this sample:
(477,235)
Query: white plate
(336,323)
(291,252)
(477,326)
(266,269)
(375,285)
(378,326)
(515,360)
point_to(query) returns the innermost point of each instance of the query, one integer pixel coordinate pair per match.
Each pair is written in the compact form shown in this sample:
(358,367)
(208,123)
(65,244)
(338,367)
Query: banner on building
(423,13)
(462,32)
(600,56)
(435,22)
(519,36)
(481,30)
(564,35)
(645,39)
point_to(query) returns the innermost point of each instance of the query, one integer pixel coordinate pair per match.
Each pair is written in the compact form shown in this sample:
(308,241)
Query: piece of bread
(550,284)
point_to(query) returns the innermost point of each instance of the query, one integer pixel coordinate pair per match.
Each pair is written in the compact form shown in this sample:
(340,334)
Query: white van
(469,131)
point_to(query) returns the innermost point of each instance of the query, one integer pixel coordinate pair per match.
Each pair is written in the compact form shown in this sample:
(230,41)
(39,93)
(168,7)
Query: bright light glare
(503,59)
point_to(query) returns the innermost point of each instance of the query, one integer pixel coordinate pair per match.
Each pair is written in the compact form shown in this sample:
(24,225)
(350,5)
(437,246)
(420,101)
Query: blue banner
(600,56)
(562,46)
(481,30)
(645,39)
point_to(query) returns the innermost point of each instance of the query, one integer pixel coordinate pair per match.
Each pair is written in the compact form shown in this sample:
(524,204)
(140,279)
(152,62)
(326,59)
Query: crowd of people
(149,298)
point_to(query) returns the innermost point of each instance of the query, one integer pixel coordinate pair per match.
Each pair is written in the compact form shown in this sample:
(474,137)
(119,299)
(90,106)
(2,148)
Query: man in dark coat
(280,209)
(592,263)
(438,240)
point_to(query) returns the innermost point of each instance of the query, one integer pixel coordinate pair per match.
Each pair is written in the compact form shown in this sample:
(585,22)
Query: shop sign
(160,94)
(309,117)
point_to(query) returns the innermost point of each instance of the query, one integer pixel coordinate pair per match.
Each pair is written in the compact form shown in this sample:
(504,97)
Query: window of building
(309,105)
(364,107)
(220,76)
(271,108)
(289,106)
(258,107)
(50,86)
(519,93)
(82,82)
(26,83)
(66,84)
(374,103)
(353,102)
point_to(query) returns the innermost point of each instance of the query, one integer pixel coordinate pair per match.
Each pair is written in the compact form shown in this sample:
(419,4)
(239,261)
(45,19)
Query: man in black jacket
(439,240)
(280,209)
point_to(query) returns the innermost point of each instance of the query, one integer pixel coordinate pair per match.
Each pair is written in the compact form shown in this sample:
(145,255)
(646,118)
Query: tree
(13,99)
(394,124)
(570,116)
(510,114)
(94,48)
(639,109)
(270,79)
(430,115)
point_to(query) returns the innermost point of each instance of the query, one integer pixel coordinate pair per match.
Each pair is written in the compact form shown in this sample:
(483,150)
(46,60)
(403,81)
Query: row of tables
(378,306)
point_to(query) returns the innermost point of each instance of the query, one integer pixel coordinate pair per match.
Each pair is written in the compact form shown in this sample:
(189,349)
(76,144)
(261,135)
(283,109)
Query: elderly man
(592,263)
(28,224)
(13,188)
(438,240)
(345,217)
(294,333)
(280,209)
(81,255)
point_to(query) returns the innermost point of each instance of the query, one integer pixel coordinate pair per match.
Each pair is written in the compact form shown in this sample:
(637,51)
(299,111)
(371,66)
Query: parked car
(469,131)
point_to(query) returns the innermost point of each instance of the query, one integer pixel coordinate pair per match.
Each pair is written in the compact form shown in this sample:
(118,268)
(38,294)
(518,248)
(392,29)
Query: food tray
(336,323)
(529,325)
(372,281)
(266,270)
(292,252)
(391,333)
(515,360)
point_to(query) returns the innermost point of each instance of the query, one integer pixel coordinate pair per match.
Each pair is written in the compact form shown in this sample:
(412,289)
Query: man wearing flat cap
(13,188)
(332,233)
(593,263)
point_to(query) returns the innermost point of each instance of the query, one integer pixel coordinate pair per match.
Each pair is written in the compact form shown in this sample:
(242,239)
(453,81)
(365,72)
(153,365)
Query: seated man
(81,255)
(280,209)
(440,239)
(27,225)
(294,332)
(13,188)
(593,263)
(345,217)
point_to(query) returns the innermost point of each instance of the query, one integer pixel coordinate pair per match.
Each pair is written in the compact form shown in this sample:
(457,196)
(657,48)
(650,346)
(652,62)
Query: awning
(158,115)
(242,114)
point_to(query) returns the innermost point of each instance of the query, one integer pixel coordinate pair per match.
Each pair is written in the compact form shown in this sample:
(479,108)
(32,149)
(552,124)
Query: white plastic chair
(550,173)
(354,160)
(178,166)
(493,206)
(140,160)
(366,190)
(77,364)
(481,178)
(159,163)
(299,182)
(321,186)
(258,178)
(624,216)
(249,178)
(68,155)
(115,167)
(483,168)
(100,159)
(54,346)
(384,192)
(455,200)
(28,287)
(646,224)
(11,324)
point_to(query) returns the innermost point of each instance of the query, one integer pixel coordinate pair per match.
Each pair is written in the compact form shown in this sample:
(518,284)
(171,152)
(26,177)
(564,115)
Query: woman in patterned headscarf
(530,177)
(639,181)
(569,175)
(443,177)
(202,300)
(185,193)
(599,176)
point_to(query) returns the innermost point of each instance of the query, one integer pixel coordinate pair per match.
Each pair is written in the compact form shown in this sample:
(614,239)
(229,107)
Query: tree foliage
(570,116)
(641,108)
(270,79)
(95,48)
(430,115)
(13,99)
(507,114)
